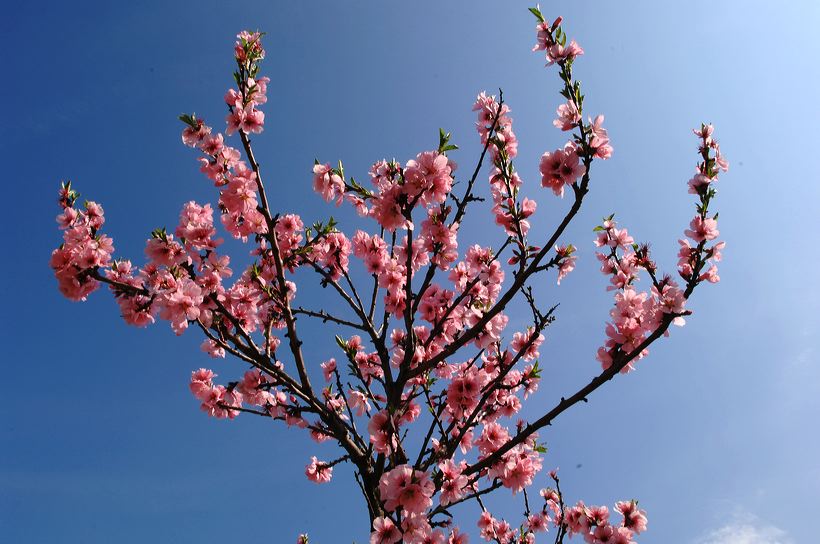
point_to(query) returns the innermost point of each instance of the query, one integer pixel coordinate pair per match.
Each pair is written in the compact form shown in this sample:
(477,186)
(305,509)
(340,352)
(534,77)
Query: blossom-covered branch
(421,396)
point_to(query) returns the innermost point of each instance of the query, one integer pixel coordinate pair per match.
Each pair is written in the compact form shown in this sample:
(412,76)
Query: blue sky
(716,433)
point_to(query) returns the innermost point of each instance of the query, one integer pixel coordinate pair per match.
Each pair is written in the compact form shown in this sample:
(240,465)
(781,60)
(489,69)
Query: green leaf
(444,141)
(537,12)
(189,119)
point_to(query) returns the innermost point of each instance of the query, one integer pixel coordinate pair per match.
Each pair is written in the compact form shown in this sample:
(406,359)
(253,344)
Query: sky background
(715,434)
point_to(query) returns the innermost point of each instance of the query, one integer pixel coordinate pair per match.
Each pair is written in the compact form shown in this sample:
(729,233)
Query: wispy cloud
(746,529)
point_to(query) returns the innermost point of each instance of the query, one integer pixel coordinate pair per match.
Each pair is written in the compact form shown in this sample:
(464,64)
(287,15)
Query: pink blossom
(372,250)
(560,167)
(387,209)
(332,253)
(568,116)
(493,436)
(454,484)
(559,53)
(428,177)
(440,240)
(328,183)
(248,47)
(358,402)
(193,135)
(567,262)
(384,532)
(328,368)
(166,251)
(716,251)
(406,488)
(318,472)
(698,183)
(248,119)
(201,382)
(634,518)
(180,304)
(213,349)
(537,522)
(701,229)
(543,36)
(488,108)
(517,467)
(600,139)
(382,432)
(288,231)
(217,400)
(463,392)
(521,340)
(212,145)
(196,226)
(619,238)
(457,537)
(711,275)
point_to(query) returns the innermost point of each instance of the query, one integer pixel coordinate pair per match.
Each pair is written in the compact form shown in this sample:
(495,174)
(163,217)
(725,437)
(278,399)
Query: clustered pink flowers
(591,522)
(83,248)
(638,314)
(428,351)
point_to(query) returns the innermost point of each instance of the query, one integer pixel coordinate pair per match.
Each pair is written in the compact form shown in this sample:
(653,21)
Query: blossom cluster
(637,314)
(432,353)
(83,249)
(592,523)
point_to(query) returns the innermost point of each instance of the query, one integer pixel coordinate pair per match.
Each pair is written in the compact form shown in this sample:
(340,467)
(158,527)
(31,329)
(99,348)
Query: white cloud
(746,529)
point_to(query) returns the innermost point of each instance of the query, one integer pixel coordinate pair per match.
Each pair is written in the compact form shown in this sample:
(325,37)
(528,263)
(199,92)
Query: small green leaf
(537,12)
(444,141)
(189,119)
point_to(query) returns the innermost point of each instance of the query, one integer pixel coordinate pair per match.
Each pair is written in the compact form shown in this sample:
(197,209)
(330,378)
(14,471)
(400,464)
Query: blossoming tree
(419,400)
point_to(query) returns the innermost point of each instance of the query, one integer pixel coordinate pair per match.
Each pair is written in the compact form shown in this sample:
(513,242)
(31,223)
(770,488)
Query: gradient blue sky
(716,433)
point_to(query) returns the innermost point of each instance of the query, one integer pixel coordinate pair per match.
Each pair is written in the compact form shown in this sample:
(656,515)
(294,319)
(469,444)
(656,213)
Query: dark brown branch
(579,396)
